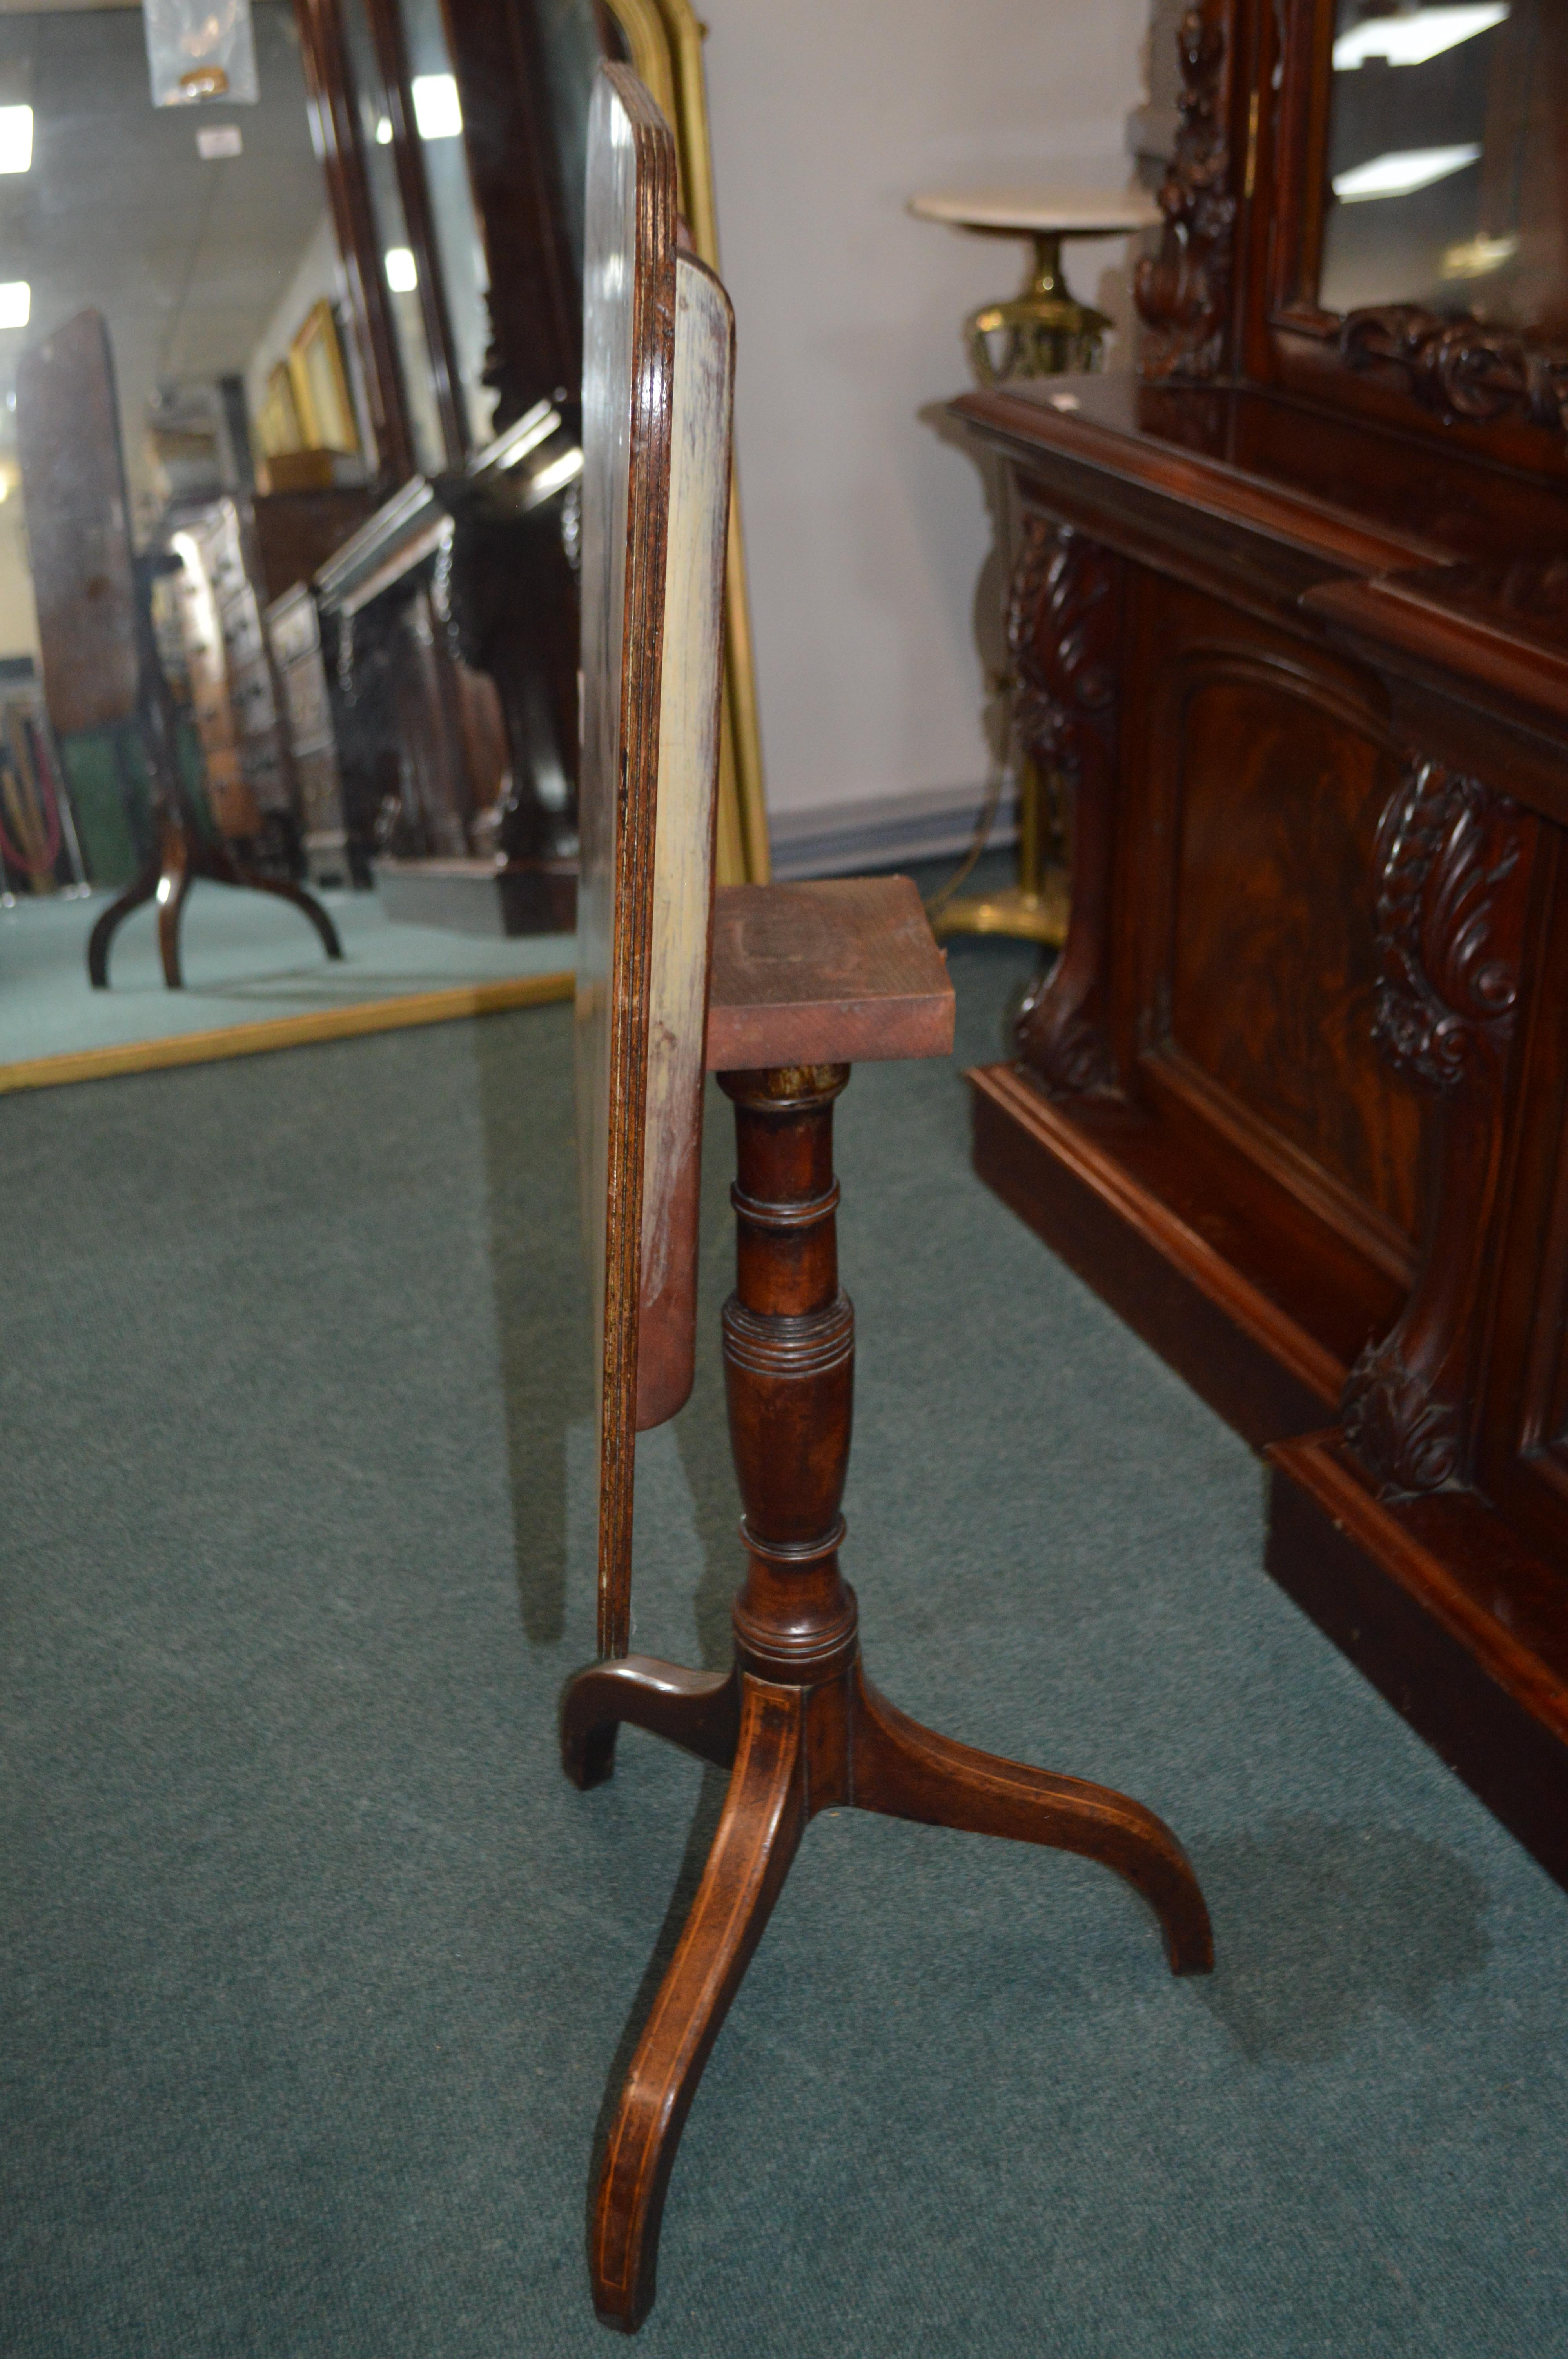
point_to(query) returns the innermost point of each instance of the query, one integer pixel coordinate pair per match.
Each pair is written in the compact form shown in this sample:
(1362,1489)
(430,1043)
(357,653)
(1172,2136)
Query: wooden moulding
(406,1012)
(1437,1604)
(840,973)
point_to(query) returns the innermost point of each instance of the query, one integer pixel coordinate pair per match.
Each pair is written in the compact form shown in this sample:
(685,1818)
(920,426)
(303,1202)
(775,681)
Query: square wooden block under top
(841,972)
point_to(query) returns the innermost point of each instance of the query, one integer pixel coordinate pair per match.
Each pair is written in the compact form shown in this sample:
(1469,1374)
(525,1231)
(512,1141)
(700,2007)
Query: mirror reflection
(288,524)
(290,356)
(1448,146)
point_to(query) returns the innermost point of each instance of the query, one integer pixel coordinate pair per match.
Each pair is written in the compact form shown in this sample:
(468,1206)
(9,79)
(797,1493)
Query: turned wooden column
(794,1720)
(789,1369)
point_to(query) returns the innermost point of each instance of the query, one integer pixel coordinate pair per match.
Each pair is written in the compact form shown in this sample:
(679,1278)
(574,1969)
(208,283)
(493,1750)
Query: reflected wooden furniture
(803,979)
(1291,616)
(448,618)
(475,346)
(99,653)
(249,774)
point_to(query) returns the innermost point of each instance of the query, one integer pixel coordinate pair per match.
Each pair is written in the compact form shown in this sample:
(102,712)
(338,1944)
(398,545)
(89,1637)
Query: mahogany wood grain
(835,972)
(759,1833)
(811,1733)
(905,1771)
(806,978)
(1502,630)
(629,313)
(698,1710)
(1265,776)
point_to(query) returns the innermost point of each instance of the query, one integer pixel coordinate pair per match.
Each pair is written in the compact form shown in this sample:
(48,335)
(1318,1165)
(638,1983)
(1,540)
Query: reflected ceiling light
(402,274)
(16,138)
(436,108)
(1399,174)
(215,140)
(1409,40)
(15,303)
(384,131)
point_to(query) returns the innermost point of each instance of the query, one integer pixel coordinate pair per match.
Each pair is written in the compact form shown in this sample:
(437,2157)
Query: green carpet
(315,1969)
(246,957)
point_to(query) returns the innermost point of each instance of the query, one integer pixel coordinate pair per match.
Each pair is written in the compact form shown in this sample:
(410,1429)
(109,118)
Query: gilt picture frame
(320,384)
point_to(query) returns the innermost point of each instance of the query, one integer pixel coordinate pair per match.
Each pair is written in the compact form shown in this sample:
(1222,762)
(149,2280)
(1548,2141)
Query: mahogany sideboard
(1295,1097)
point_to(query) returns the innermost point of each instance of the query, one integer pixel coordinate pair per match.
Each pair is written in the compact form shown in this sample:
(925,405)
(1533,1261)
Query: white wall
(865,531)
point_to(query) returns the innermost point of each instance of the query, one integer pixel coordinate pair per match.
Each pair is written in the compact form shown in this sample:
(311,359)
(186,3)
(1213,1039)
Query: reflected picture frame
(279,428)
(320,384)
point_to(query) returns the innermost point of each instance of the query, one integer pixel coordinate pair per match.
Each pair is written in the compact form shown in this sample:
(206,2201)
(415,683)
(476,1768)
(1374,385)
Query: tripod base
(181,859)
(793,1750)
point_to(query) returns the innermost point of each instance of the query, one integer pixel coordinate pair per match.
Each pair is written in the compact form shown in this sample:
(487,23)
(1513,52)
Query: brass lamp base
(1021,915)
(1043,331)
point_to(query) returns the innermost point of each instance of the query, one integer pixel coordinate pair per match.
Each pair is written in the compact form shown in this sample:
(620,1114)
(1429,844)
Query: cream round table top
(1075,212)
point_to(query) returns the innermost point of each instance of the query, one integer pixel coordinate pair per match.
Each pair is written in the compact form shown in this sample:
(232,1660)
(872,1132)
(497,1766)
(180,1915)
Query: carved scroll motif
(1062,621)
(1460,368)
(1453,860)
(1449,920)
(1182,293)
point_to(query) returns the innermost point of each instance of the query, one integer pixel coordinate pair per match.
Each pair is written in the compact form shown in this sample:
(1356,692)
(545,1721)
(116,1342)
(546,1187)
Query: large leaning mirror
(333,489)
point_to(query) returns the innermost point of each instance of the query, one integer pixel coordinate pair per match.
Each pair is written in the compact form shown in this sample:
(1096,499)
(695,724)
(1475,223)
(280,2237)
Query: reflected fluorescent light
(15,303)
(1401,172)
(402,274)
(215,140)
(1411,40)
(384,131)
(435,109)
(16,138)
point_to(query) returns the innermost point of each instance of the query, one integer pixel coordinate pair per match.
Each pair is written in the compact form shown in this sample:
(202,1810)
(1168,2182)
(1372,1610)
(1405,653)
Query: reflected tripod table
(779,990)
(100,661)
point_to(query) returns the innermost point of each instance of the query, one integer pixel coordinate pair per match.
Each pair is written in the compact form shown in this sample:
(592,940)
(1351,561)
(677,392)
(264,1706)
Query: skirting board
(408,1010)
(1382,1580)
(851,839)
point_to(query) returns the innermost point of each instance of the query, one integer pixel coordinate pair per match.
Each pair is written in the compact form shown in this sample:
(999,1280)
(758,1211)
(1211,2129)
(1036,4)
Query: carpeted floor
(315,1969)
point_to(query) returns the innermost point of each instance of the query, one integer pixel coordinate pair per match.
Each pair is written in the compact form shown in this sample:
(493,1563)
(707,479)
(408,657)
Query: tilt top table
(778,989)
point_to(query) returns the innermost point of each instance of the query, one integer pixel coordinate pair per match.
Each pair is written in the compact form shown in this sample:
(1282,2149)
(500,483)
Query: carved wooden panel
(1268,788)
(1522,1446)
(1184,293)
(1454,867)
(1063,625)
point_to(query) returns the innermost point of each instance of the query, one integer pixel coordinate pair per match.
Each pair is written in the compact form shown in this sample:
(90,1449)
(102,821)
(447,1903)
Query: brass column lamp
(1043,332)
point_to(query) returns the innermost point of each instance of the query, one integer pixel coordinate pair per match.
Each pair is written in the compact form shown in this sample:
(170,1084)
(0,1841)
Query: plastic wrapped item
(200,50)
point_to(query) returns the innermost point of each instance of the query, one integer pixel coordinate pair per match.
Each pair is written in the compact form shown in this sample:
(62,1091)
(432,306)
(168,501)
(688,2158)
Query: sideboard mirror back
(1369,208)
